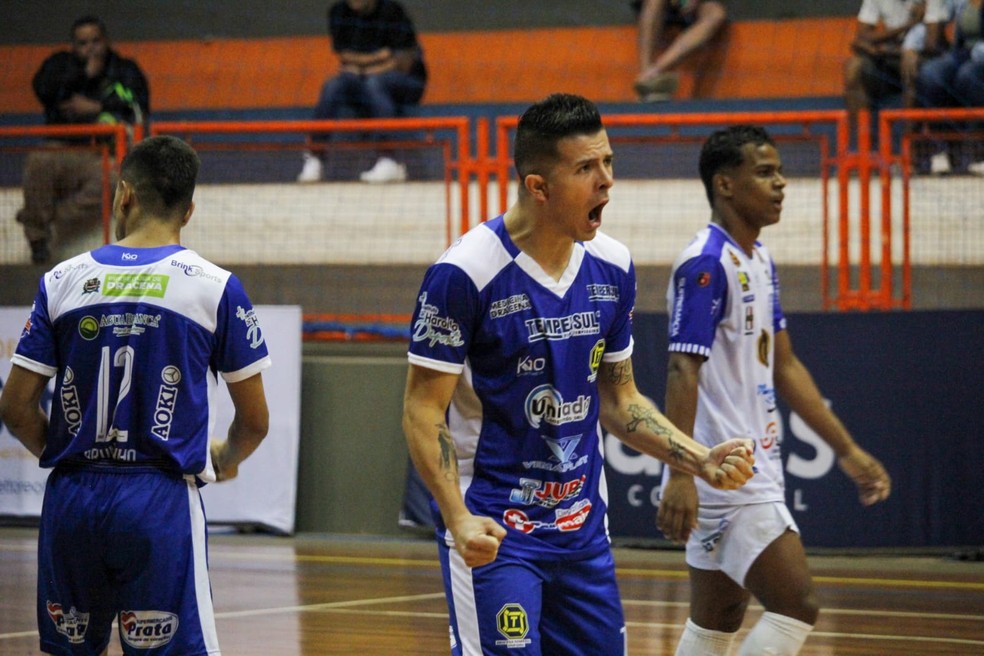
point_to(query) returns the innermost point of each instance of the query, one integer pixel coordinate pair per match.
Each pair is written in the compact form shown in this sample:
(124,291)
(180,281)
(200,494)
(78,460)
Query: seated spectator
(90,83)
(956,78)
(381,70)
(699,20)
(873,73)
(922,42)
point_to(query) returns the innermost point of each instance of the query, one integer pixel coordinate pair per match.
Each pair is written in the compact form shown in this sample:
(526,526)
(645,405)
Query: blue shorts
(534,607)
(129,546)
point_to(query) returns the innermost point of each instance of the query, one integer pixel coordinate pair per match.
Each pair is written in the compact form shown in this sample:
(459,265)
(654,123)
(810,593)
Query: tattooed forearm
(677,452)
(645,417)
(641,415)
(620,373)
(449,460)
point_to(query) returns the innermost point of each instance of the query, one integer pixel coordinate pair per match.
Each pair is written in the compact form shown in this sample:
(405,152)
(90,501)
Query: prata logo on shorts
(147,629)
(71,624)
(545,403)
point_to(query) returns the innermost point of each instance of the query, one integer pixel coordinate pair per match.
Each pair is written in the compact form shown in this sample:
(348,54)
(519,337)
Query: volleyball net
(861,218)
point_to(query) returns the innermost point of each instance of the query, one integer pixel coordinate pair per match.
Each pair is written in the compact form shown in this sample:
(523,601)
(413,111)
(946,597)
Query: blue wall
(910,387)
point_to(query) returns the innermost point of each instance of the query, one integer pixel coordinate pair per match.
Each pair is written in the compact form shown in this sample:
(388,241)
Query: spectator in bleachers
(699,21)
(886,51)
(381,73)
(90,83)
(924,41)
(956,78)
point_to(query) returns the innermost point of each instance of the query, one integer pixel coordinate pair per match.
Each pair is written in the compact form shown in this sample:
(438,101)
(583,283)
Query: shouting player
(520,352)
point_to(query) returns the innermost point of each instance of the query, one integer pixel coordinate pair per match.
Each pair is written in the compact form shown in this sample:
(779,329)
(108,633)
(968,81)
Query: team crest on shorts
(513,624)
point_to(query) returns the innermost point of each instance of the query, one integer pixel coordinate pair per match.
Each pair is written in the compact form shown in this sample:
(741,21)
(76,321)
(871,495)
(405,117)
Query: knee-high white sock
(775,635)
(698,641)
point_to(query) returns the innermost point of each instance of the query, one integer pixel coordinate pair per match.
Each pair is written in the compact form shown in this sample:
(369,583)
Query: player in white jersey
(134,334)
(730,356)
(520,350)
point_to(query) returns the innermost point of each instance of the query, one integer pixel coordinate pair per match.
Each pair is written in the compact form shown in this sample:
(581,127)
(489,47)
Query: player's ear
(722,184)
(187,215)
(124,195)
(536,185)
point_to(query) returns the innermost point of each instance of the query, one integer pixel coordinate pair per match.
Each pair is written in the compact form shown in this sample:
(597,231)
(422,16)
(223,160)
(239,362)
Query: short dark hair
(163,171)
(545,123)
(88,19)
(723,150)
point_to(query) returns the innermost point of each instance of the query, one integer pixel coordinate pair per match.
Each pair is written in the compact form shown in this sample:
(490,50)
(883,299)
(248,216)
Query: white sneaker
(312,169)
(385,170)
(976,168)
(939,163)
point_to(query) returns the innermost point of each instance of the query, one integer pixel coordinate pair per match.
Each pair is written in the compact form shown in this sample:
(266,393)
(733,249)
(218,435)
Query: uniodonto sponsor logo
(545,403)
(147,629)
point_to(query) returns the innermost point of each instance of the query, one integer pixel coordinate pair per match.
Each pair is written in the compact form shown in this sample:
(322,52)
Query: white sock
(775,635)
(698,641)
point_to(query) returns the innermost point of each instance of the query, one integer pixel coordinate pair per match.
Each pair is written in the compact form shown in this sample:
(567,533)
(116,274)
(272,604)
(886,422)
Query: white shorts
(730,538)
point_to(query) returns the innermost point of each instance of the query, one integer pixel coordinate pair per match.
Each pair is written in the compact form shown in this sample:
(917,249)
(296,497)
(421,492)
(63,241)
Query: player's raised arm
(635,420)
(426,399)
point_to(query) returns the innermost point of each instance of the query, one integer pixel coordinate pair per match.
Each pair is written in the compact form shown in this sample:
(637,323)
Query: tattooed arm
(631,417)
(425,401)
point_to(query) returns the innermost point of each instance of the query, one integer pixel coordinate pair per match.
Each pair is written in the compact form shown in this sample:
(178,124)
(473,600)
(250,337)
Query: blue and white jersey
(135,337)
(525,415)
(724,306)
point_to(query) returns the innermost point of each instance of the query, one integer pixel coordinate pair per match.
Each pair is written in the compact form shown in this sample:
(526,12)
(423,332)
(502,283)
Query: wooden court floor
(316,594)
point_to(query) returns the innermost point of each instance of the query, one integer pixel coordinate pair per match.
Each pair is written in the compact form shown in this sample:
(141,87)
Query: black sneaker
(39,251)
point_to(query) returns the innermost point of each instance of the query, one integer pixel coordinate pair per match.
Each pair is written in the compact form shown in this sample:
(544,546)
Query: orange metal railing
(97,134)
(849,281)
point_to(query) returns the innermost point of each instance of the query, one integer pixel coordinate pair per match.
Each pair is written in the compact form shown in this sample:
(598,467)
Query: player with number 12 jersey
(114,312)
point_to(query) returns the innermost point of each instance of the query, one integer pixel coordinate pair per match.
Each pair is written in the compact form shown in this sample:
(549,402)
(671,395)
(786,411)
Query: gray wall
(48,22)
(353,456)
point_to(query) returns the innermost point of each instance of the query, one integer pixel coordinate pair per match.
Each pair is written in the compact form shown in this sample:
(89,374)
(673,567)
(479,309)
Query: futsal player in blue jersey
(134,334)
(520,351)
(730,357)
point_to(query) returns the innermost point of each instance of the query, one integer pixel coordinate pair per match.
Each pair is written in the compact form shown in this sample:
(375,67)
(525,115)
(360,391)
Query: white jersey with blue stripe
(724,305)
(135,337)
(525,415)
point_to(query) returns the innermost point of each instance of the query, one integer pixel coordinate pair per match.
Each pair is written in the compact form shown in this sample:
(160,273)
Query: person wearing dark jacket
(63,182)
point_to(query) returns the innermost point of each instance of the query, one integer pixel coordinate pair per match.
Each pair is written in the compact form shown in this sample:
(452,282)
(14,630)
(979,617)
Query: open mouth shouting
(594,216)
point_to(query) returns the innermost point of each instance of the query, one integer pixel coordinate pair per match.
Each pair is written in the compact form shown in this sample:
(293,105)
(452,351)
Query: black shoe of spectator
(39,251)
